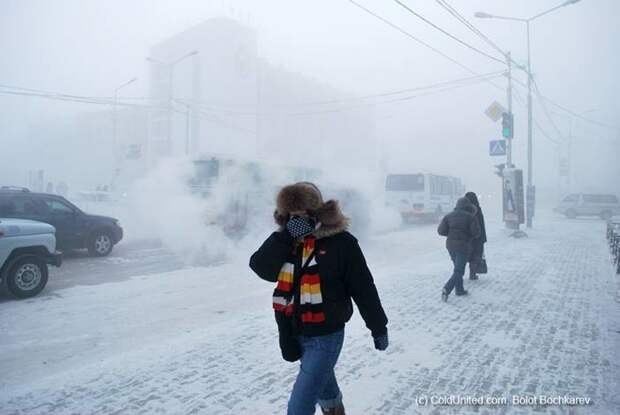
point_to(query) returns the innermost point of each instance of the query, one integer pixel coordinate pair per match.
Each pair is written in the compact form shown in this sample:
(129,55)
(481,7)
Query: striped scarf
(310,299)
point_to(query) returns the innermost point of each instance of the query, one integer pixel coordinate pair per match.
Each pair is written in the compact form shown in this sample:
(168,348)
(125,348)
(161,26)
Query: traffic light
(500,169)
(507,125)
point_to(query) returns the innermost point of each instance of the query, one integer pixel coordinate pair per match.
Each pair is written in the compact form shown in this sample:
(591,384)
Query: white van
(422,196)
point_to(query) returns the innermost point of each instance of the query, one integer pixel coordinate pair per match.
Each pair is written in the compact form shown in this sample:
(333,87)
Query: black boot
(444,295)
(339,410)
(461,293)
(472,271)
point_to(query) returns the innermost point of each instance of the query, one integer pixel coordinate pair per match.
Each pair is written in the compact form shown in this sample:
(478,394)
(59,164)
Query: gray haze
(91,47)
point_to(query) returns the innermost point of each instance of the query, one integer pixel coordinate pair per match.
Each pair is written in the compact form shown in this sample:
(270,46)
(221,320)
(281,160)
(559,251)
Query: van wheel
(606,215)
(27,276)
(571,214)
(100,244)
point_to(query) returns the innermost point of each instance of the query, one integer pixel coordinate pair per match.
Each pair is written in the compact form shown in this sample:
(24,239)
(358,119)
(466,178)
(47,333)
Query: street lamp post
(170,67)
(530,186)
(115,118)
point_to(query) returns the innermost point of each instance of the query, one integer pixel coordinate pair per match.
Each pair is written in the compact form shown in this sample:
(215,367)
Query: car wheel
(571,214)
(606,215)
(27,276)
(100,244)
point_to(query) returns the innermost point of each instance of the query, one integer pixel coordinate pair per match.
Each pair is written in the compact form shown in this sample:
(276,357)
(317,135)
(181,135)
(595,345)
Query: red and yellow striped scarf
(310,298)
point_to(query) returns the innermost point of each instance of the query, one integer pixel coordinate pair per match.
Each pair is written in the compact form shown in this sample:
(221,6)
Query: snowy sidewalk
(545,321)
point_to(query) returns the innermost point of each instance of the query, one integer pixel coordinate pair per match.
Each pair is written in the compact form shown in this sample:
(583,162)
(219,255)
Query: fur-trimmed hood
(305,196)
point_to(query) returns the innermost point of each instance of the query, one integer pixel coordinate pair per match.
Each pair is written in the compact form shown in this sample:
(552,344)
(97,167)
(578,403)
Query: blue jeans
(316,381)
(456,280)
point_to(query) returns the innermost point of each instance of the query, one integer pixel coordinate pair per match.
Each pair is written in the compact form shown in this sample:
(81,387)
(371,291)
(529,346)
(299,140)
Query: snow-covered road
(544,321)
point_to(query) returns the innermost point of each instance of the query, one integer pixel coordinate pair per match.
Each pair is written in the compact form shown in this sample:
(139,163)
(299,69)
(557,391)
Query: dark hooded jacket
(342,268)
(471,196)
(460,226)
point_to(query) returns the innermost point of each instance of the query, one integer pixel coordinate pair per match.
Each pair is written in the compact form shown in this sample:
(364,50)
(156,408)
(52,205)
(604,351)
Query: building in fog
(215,94)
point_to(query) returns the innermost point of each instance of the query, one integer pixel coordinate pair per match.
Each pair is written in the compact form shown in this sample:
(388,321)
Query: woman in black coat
(319,270)
(477,251)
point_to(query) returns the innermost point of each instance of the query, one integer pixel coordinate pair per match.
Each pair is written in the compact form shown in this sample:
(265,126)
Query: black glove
(299,227)
(381,342)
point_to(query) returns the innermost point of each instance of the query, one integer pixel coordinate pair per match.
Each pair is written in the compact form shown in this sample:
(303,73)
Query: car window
(56,207)
(571,198)
(21,206)
(7,207)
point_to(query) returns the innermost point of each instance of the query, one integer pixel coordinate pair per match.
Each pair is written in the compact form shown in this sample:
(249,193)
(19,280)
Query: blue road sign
(497,148)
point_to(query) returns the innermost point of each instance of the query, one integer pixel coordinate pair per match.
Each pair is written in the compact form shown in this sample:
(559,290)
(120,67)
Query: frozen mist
(183,119)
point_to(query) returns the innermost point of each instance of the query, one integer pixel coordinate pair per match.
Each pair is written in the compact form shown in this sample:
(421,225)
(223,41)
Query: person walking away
(319,269)
(460,227)
(477,251)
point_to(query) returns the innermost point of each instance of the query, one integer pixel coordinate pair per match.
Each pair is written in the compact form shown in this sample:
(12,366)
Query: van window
(600,199)
(409,182)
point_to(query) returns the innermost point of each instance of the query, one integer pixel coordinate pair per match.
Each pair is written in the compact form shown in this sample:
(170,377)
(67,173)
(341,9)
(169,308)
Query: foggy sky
(91,47)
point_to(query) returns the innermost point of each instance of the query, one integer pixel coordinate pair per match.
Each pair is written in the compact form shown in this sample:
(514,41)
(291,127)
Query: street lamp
(115,115)
(170,66)
(530,187)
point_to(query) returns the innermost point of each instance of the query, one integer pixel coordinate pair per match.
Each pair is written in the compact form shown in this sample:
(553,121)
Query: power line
(469,25)
(546,110)
(569,111)
(431,89)
(403,31)
(574,114)
(88,100)
(424,19)
(110,100)
(401,91)
(521,101)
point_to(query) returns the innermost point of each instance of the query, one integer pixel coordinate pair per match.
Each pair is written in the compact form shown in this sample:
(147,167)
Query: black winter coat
(478,243)
(344,276)
(461,226)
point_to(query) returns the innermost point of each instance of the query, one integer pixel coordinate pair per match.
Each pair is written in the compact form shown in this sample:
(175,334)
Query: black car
(74,228)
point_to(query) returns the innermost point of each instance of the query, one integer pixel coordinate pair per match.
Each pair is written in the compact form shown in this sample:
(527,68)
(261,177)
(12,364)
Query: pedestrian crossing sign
(497,148)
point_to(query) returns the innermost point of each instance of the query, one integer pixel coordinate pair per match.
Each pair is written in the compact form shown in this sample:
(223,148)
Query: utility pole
(530,187)
(509,93)
(530,192)
(170,68)
(115,113)
(115,150)
(509,135)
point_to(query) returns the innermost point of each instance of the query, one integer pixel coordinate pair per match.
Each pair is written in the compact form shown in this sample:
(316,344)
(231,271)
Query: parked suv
(579,204)
(26,247)
(74,228)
